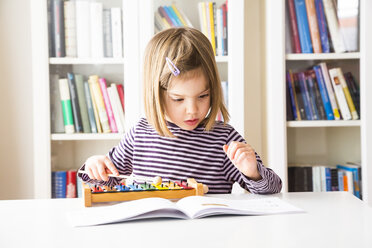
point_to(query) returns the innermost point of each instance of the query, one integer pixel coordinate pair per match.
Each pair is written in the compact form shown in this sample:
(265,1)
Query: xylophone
(154,187)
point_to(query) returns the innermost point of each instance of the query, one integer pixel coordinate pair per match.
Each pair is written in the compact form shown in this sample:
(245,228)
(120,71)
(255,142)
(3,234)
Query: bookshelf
(316,142)
(69,151)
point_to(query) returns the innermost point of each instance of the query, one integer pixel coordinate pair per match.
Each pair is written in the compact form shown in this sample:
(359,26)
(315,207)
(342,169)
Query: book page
(201,206)
(125,211)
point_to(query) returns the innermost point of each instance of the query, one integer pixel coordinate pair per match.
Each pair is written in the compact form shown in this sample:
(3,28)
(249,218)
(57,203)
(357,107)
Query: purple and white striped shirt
(194,154)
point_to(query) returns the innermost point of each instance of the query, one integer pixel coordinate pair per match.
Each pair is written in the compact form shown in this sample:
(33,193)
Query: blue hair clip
(172,67)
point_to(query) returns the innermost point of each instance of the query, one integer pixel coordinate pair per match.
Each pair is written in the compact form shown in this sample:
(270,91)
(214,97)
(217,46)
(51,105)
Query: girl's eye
(204,96)
(177,99)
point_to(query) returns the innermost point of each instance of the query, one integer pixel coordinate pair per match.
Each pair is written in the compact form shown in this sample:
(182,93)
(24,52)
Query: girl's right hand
(99,166)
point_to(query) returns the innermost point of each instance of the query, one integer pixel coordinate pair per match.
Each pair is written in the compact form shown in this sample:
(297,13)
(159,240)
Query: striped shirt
(194,154)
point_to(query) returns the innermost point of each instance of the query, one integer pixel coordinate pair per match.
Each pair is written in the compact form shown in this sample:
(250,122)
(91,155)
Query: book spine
(345,112)
(305,96)
(292,96)
(89,104)
(209,8)
(333,26)
(107,33)
(82,103)
(313,26)
(340,175)
(71,184)
(58,28)
(97,94)
(94,104)
(117,35)
(115,109)
(299,100)
(59,184)
(318,98)
(322,25)
(354,89)
(294,30)
(334,179)
(311,89)
(316,179)
(120,89)
(174,15)
(75,103)
(56,114)
(187,20)
(323,93)
(303,26)
(349,100)
(83,29)
(106,99)
(163,14)
(96,30)
(178,14)
(118,105)
(330,90)
(66,106)
(219,20)
(225,29)
(70,28)
(171,17)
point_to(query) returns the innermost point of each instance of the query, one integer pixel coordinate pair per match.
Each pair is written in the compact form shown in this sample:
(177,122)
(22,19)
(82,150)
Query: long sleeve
(270,182)
(121,156)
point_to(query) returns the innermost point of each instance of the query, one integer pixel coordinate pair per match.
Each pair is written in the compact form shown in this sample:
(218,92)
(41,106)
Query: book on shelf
(322,26)
(108,105)
(75,103)
(90,110)
(64,184)
(99,102)
(68,119)
(116,107)
(170,16)
(120,89)
(96,30)
(79,80)
(324,178)
(56,114)
(84,29)
(191,207)
(323,93)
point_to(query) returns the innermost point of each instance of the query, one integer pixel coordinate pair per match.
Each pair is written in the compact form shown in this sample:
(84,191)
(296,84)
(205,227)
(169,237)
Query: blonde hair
(188,49)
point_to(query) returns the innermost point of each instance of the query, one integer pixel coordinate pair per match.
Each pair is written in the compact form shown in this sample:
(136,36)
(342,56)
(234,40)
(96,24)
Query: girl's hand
(244,158)
(99,166)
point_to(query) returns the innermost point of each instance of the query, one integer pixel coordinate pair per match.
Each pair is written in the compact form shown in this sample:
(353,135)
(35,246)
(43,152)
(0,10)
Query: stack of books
(320,93)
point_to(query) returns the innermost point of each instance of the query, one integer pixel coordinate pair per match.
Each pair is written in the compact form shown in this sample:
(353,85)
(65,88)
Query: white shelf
(322,56)
(87,136)
(323,123)
(88,61)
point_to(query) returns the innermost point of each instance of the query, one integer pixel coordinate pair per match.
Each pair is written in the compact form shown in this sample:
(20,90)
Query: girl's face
(187,102)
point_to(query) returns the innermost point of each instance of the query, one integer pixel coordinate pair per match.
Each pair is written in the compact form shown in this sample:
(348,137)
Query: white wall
(16,168)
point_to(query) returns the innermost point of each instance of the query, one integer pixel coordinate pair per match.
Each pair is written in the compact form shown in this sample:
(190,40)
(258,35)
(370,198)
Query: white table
(332,219)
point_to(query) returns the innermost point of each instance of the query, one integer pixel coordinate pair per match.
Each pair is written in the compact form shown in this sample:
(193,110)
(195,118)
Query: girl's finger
(90,173)
(111,166)
(102,172)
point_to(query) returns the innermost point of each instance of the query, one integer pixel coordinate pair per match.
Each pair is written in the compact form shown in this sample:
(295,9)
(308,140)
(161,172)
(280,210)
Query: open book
(190,207)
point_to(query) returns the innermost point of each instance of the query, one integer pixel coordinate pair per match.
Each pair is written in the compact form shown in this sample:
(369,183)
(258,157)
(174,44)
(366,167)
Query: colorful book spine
(106,99)
(75,103)
(303,26)
(349,100)
(318,97)
(212,26)
(311,89)
(173,15)
(58,28)
(120,89)
(82,103)
(313,26)
(98,98)
(341,100)
(299,100)
(179,16)
(330,90)
(95,108)
(225,29)
(89,104)
(294,30)
(323,93)
(68,119)
(59,184)
(355,178)
(292,96)
(305,95)
(322,26)
(333,26)
(71,184)
(116,107)
(354,90)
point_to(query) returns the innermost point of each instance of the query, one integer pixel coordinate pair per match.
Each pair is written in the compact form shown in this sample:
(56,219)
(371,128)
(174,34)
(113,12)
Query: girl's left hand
(244,158)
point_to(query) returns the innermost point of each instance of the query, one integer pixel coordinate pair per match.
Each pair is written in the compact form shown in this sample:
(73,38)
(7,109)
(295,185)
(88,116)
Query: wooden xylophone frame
(89,197)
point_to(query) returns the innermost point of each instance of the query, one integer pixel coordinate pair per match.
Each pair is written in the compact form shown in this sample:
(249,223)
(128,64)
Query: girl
(179,138)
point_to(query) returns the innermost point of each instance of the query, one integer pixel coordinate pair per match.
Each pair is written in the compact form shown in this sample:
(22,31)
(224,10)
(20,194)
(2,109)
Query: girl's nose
(192,107)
